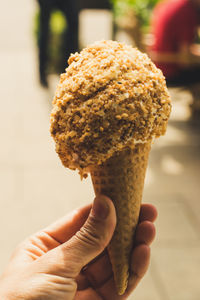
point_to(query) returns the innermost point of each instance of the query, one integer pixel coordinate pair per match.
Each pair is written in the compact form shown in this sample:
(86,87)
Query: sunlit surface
(182,100)
(171,166)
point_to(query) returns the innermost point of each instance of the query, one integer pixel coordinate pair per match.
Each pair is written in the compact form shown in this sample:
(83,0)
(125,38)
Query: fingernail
(100,208)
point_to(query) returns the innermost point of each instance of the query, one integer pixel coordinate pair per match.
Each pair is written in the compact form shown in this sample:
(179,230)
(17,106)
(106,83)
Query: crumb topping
(111,97)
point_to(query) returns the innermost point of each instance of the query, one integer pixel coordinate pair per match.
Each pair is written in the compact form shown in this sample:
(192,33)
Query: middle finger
(99,271)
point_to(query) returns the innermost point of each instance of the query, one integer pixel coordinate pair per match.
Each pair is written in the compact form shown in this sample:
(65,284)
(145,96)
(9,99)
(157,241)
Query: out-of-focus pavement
(36,189)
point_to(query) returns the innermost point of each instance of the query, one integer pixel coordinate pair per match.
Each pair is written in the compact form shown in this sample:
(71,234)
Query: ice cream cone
(122,179)
(108,106)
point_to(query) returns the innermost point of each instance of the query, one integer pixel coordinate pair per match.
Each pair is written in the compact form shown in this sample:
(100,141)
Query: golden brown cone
(122,179)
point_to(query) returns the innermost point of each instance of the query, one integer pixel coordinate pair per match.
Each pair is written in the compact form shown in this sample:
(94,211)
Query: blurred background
(36,40)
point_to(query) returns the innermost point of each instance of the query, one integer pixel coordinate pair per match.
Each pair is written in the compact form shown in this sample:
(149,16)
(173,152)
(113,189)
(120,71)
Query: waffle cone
(122,179)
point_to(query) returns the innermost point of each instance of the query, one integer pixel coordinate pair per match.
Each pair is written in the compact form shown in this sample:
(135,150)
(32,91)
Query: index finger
(63,229)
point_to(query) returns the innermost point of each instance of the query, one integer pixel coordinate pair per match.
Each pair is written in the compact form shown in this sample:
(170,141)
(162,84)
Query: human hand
(68,260)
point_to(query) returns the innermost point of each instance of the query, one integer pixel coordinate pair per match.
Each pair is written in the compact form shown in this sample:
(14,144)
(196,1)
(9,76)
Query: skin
(51,263)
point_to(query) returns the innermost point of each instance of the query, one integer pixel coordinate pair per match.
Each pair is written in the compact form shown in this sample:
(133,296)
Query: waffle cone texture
(122,179)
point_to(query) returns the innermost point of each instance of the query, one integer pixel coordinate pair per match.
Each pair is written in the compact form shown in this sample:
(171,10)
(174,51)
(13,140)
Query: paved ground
(36,189)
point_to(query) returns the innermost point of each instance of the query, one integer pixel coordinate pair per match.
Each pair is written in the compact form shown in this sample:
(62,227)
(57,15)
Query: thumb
(91,239)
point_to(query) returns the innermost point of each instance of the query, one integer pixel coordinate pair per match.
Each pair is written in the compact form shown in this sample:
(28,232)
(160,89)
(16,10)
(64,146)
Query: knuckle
(89,235)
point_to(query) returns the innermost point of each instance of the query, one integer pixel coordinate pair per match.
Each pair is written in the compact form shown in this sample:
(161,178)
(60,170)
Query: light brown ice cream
(111,97)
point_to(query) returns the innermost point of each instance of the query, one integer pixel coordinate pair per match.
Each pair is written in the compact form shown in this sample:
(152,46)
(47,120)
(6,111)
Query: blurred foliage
(142,8)
(57,28)
(58,22)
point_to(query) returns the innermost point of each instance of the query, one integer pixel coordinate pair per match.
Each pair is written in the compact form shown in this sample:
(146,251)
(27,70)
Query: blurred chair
(70,44)
(69,9)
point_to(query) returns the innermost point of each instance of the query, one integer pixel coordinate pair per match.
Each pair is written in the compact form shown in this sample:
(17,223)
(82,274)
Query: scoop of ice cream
(111,97)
